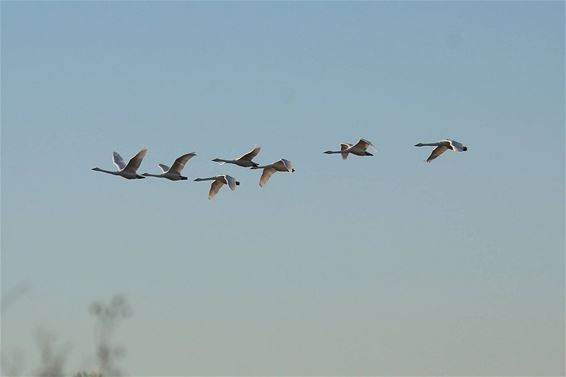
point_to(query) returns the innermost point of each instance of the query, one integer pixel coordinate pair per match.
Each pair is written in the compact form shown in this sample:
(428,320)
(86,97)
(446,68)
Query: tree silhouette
(107,318)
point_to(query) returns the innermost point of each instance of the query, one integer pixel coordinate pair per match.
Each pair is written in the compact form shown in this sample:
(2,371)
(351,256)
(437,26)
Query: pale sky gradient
(373,266)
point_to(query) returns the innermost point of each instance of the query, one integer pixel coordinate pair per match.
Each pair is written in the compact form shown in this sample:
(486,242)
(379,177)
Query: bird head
(465,149)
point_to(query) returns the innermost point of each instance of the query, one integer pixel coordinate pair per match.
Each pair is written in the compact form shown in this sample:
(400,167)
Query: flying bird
(173,173)
(441,147)
(359,149)
(128,171)
(244,161)
(268,170)
(218,182)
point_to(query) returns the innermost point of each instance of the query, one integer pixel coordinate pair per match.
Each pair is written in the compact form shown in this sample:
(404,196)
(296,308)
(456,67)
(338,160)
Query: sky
(383,265)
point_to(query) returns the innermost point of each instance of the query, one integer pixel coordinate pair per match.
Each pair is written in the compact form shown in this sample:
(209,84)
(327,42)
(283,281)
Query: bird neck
(106,171)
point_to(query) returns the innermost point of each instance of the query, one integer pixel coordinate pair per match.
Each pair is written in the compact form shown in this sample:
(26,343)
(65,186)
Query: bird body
(358,149)
(129,170)
(282,165)
(218,182)
(442,146)
(244,161)
(173,173)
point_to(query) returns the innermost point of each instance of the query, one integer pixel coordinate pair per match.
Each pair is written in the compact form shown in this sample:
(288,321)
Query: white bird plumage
(245,160)
(173,173)
(282,165)
(442,146)
(359,149)
(218,182)
(129,170)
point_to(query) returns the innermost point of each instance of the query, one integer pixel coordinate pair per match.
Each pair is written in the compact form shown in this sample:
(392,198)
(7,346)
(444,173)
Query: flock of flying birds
(173,173)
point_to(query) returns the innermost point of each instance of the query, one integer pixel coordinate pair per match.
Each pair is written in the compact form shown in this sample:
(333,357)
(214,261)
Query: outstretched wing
(457,147)
(231,182)
(288,164)
(179,163)
(214,188)
(267,173)
(135,162)
(164,168)
(251,154)
(436,152)
(283,165)
(118,161)
(343,148)
(363,144)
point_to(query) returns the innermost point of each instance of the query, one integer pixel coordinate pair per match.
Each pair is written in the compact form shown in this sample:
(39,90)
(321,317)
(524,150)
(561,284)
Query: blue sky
(380,266)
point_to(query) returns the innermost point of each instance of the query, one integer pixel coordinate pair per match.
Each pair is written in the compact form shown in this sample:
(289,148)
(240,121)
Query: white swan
(442,146)
(128,171)
(173,173)
(219,181)
(268,170)
(359,149)
(244,161)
